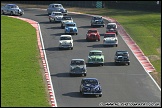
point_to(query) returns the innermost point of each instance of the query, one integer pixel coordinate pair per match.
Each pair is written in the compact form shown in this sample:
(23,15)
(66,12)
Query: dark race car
(90,86)
(93,35)
(122,57)
(78,67)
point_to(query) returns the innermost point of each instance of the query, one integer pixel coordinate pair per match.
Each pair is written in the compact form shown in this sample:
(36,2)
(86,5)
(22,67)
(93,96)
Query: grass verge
(21,81)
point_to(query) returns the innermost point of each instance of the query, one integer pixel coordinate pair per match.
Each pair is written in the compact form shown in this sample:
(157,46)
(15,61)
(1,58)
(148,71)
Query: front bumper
(122,62)
(65,46)
(107,43)
(98,24)
(77,73)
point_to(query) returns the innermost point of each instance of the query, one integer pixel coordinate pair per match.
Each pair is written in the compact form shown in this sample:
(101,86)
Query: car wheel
(116,45)
(128,63)
(85,74)
(71,48)
(98,39)
(11,13)
(2,12)
(100,95)
(102,64)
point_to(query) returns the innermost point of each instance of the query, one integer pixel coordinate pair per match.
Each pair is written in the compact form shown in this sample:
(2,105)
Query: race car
(78,67)
(93,35)
(95,57)
(11,9)
(56,7)
(122,57)
(71,28)
(112,27)
(64,20)
(90,86)
(97,21)
(110,38)
(66,42)
(55,17)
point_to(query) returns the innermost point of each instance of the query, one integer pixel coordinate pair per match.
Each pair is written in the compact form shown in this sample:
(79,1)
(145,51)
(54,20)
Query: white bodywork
(114,25)
(12,9)
(63,21)
(66,41)
(110,40)
(55,16)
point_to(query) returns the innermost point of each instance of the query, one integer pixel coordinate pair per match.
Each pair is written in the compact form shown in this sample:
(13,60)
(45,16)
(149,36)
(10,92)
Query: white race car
(110,39)
(55,17)
(11,9)
(66,19)
(66,42)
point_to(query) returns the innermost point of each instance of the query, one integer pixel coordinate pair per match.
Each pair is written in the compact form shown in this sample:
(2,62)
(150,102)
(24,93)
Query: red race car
(92,35)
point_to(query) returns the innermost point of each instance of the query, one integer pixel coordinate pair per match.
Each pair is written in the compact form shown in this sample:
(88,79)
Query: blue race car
(90,86)
(71,28)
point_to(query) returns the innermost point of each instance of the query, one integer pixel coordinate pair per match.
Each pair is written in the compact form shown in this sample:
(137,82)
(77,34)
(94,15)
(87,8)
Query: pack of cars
(57,13)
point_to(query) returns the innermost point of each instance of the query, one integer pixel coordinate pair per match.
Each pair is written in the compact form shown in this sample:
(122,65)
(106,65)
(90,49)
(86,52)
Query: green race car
(96,57)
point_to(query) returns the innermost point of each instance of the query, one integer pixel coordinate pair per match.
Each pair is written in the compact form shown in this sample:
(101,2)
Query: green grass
(21,81)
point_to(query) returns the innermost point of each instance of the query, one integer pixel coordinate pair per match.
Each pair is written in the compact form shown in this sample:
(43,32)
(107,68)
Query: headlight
(101,59)
(97,89)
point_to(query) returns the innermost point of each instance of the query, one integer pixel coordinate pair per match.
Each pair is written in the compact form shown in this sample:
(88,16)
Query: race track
(119,83)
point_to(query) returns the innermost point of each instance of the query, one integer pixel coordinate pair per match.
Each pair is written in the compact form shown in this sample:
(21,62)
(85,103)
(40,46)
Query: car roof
(122,51)
(111,23)
(67,16)
(110,33)
(77,59)
(97,16)
(92,29)
(65,36)
(55,4)
(11,4)
(95,51)
(89,78)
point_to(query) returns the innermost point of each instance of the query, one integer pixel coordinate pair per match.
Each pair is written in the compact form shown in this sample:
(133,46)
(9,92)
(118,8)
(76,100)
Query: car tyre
(98,39)
(11,13)
(85,74)
(100,95)
(2,12)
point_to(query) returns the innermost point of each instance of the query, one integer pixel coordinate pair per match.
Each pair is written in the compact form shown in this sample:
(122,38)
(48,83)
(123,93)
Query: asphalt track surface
(119,83)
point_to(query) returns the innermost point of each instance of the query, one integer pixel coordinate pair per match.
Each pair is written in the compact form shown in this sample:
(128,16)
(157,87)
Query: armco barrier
(43,56)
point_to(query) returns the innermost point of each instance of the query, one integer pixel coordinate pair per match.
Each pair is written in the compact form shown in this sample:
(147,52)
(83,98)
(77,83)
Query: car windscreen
(109,35)
(113,26)
(70,25)
(58,6)
(66,18)
(77,62)
(65,38)
(90,81)
(97,18)
(95,54)
(13,6)
(122,53)
(58,13)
